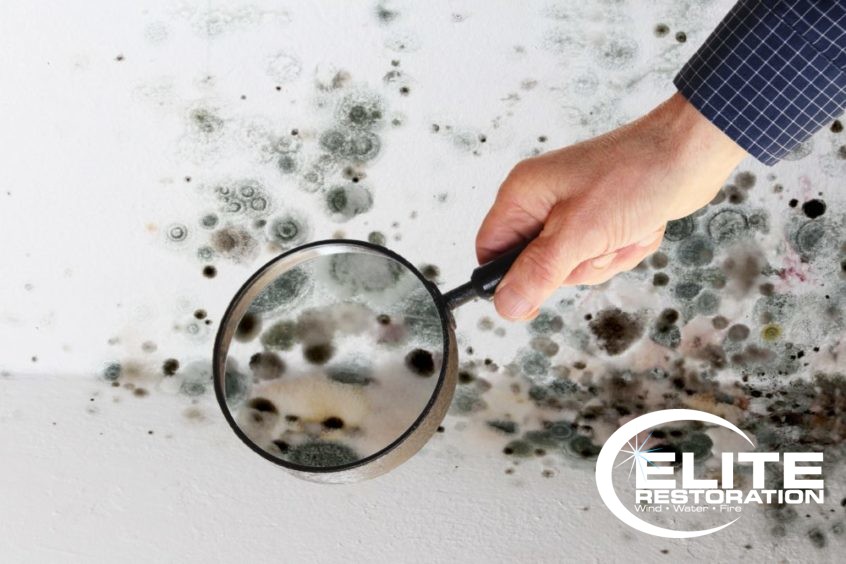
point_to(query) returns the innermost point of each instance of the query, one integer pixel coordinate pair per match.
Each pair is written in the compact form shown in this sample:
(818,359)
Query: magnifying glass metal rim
(404,446)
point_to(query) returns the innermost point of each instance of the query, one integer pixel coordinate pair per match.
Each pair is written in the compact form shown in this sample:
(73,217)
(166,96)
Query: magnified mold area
(334,359)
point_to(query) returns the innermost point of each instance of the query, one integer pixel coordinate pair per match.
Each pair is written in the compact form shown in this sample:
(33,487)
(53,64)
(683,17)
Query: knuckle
(521,172)
(541,267)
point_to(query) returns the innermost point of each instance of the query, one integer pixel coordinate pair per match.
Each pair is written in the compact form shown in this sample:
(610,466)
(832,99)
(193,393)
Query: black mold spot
(810,236)
(205,253)
(727,225)
(745,180)
(584,447)
(687,290)
(661,30)
(287,163)
(430,272)
(420,362)
(358,272)
(836,126)
(360,111)
(346,202)
(335,141)
(665,332)
(707,303)
(534,364)
(235,385)
(615,330)
(209,221)
(353,373)
(385,15)
(262,405)
(377,238)
(322,454)
(248,327)
(287,231)
(205,121)
(814,208)
(817,537)
(545,323)
(282,292)
(734,194)
(518,448)
(507,427)
(719,322)
(333,423)
(681,37)
(170,367)
(738,332)
(319,353)
(679,229)
(544,345)
(112,371)
(280,336)
(695,251)
(234,243)
(660,279)
(659,260)
(177,232)
(267,365)
(364,146)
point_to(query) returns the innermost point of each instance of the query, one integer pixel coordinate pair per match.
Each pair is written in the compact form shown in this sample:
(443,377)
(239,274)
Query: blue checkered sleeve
(771,74)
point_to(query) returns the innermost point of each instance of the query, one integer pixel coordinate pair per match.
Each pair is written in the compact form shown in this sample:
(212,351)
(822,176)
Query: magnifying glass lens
(334,355)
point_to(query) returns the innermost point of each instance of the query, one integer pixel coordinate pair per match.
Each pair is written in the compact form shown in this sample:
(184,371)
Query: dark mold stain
(679,229)
(615,330)
(322,454)
(267,365)
(170,367)
(420,362)
(263,405)
(282,292)
(695,251)
(814,208)
(280,336)
(248,328)
(318,353)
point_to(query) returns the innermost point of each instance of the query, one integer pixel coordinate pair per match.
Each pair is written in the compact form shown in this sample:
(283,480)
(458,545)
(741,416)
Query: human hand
(599,207)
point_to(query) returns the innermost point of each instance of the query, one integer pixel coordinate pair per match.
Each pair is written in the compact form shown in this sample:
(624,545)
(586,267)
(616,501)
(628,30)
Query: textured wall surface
(154,157)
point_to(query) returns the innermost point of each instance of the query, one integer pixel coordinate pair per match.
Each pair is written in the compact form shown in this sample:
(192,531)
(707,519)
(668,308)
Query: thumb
(542,268)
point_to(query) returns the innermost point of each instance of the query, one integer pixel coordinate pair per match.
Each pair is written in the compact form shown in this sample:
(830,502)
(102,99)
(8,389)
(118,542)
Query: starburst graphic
(638,455)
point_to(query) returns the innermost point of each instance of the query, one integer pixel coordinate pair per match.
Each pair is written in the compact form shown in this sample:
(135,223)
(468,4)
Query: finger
(601,269)
(542,267)
(517,214)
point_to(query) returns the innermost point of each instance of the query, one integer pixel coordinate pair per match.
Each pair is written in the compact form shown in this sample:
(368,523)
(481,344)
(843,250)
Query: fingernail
(512,304)
(603,261)
(649,240)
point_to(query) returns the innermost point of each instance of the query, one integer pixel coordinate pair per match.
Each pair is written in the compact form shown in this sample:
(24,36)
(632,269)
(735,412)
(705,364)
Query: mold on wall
(263,143)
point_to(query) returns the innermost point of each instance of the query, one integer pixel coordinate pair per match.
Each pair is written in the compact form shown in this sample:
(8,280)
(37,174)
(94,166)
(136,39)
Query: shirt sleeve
(771,74)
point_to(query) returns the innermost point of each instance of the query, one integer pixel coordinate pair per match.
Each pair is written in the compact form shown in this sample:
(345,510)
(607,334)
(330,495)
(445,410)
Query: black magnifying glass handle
(484,280)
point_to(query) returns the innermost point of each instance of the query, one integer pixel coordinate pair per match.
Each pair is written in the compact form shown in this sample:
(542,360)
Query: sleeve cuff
(763,83)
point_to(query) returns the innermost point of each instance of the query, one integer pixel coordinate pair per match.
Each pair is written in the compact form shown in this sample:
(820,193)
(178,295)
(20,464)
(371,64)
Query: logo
(658,489)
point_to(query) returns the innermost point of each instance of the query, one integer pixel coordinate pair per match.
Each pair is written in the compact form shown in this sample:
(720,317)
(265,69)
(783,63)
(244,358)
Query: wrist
(696,138)
(699,156)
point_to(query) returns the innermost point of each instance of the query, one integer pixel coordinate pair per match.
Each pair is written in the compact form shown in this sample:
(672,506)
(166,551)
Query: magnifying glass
(337,360)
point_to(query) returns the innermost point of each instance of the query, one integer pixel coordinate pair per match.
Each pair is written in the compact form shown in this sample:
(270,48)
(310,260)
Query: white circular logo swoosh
(616,442)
